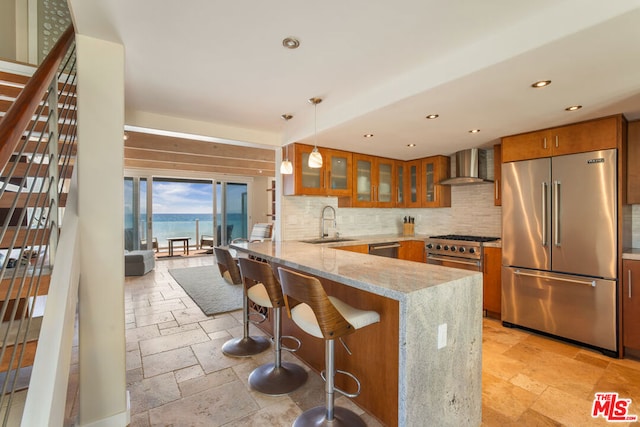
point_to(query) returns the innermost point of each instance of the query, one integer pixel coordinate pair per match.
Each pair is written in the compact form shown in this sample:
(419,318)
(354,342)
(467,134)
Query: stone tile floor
(177,375)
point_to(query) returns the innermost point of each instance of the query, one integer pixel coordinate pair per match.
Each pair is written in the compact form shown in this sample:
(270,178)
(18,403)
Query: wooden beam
(145,164)
(182,145)
(191,159)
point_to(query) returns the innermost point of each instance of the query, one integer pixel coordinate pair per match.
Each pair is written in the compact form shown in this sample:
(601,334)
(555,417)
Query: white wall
(103,400)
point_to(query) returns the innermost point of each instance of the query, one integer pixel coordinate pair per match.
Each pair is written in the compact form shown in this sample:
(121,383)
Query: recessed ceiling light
(291,43)
(411,145)
(432,116)
(368,135)
(573,108)
(541,83)
(474,131)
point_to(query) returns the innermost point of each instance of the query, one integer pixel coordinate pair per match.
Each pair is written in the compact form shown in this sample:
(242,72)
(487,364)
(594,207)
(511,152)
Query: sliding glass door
(159,208)
(182,208)
(135,213)
(232,214)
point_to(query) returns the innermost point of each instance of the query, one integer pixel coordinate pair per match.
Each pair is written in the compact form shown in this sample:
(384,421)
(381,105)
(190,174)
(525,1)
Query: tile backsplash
(471,212)
(635,227)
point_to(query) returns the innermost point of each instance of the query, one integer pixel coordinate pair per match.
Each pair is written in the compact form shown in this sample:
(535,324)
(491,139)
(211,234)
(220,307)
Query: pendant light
(315,158)
(286,168)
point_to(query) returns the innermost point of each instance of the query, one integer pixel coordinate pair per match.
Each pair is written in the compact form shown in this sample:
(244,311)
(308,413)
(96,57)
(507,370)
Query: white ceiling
(380,66)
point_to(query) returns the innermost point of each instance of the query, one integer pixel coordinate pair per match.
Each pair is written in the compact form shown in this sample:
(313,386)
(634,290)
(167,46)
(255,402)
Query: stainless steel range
(459,251)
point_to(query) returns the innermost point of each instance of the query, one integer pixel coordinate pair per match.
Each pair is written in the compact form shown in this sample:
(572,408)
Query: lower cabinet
(631,304)
(491,281)
(412,250)
(363,249)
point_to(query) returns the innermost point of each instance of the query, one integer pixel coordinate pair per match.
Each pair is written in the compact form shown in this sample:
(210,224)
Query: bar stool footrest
(350,375)
(290,349)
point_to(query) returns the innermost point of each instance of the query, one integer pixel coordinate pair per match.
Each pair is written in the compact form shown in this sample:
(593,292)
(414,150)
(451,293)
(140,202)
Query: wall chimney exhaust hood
(471,168)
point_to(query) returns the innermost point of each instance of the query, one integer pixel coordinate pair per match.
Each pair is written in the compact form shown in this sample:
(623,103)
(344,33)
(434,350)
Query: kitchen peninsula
(421,365)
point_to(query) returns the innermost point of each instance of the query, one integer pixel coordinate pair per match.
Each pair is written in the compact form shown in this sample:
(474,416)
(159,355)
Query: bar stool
(247,345)
(329,318)
(264,289)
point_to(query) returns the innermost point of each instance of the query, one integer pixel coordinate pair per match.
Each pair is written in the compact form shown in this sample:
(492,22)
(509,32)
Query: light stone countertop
(440,323)
(631,253)
(389,277)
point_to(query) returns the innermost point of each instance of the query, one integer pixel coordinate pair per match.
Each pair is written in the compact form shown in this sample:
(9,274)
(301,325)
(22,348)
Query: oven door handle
(380,247)
(448,259)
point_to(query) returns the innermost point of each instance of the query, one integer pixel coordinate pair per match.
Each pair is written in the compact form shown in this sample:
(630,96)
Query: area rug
(208,289)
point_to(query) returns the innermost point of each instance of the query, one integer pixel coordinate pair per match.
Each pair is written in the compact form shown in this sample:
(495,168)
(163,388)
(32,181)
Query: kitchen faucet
(323,220)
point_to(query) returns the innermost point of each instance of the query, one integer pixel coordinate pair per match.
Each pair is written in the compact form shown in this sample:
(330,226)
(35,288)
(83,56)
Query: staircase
(37,156)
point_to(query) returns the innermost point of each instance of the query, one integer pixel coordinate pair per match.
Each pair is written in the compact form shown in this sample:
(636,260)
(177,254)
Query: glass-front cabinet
(374,181)
(413,184)
(332,179)
(360,180)
(434,195)
(400,184)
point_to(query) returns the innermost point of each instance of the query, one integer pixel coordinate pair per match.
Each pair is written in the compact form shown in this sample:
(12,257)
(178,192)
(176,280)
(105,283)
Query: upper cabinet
(373,182)
(413,184)
(401,178)
(434,170)
(633,163)
(332,179)
(497,175)
(359,180)
(581,137)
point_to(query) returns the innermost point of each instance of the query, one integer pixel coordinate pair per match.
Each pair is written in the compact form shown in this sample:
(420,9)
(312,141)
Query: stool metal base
(274,381)
(245,346)
(342,417)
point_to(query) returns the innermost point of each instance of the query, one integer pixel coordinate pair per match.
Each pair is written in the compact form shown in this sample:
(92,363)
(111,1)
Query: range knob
(446,247)
(438,247)
(461,250)
(453,248)
(429,246)
(472,251)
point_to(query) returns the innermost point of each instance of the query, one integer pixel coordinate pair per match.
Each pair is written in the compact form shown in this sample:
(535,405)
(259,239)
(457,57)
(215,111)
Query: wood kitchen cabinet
(401,179)
(491,281)
(373,181)
(362,249)
(412,250)
(434,169)
(598,134)
(497,175)
(332,179)
(413,184)
(633,162)
(631,304)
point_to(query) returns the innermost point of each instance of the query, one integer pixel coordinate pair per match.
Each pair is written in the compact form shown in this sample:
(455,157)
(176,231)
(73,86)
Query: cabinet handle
(629,284)
(497,186)
(544,142)
(556,141)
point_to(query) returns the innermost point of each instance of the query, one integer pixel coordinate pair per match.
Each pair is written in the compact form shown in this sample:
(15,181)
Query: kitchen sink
(327,240)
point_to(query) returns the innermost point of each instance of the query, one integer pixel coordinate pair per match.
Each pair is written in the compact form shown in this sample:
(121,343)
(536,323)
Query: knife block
(407,229)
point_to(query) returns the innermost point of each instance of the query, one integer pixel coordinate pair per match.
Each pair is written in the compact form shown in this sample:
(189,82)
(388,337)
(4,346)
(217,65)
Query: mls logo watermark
(612,408)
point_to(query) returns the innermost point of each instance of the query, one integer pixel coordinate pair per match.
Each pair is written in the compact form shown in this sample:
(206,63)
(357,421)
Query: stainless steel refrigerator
(559,247)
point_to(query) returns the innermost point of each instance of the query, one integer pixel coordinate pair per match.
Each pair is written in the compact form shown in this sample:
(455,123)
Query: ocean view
(184,225)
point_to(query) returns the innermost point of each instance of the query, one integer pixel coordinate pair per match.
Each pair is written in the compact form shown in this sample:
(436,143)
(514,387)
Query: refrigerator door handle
(544,213)
(591,283)
(556,215)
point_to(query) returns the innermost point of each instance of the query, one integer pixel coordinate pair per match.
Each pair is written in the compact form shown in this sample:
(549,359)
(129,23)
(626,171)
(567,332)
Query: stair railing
(37,155)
